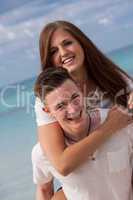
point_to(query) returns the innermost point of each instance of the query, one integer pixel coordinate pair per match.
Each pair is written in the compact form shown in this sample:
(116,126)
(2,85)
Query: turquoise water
(18,133)
(124,58)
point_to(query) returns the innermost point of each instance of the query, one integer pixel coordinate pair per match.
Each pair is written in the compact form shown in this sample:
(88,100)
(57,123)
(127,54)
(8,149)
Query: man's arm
(45,191)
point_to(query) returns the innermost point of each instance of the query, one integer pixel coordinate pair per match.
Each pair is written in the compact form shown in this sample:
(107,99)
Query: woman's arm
(45,191)
(65,160)
(130,101)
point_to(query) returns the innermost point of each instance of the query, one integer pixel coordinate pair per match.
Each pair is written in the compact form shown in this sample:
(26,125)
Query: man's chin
(79,122)
(78,127)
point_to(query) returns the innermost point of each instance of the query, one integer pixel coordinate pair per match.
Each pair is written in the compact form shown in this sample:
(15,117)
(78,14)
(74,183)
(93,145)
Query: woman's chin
(72,69)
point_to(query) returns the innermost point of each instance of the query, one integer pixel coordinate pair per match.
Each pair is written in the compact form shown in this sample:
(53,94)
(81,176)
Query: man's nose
(72,109)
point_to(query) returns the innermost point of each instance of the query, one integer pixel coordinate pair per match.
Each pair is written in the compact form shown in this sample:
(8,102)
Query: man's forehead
(61,97)
(63,93)
(66,89)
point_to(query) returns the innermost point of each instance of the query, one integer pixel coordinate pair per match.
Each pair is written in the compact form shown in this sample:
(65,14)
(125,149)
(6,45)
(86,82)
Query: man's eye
(60,107)
(75,99)
(75,96)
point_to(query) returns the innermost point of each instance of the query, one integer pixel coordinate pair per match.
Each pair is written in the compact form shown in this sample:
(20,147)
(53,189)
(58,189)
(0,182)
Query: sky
(108,23)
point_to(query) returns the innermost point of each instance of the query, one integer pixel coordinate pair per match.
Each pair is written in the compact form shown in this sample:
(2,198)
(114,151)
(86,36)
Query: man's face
(66,104)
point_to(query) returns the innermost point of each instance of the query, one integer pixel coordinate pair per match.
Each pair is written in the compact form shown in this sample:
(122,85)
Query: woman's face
(66,51)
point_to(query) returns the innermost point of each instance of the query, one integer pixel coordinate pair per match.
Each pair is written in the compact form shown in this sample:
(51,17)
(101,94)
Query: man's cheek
(59,118)
(62,123)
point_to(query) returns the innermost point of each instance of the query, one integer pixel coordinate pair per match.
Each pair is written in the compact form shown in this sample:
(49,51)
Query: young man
(42,177)
(64,101)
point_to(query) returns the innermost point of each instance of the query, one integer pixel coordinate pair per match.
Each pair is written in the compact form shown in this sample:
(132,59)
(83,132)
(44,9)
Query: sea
(18,132)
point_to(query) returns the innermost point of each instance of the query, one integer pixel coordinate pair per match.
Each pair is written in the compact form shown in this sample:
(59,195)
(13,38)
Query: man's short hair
(50,79)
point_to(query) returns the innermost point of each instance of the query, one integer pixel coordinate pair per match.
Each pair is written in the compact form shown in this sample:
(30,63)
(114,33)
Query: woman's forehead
(59,35)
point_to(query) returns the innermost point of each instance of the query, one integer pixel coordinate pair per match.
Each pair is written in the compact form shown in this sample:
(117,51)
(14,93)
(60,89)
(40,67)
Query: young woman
(63,44)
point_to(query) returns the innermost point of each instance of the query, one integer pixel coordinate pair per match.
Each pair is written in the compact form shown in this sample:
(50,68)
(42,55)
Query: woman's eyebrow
(53,48)
(62,42)
(66,40)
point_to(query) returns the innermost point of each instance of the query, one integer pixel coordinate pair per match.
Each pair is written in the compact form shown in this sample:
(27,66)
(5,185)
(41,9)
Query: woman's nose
(62,51)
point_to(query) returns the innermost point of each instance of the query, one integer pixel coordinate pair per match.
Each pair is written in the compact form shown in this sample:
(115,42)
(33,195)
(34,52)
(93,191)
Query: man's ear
(45,109)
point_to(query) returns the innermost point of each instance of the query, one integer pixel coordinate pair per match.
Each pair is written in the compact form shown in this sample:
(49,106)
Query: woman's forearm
(76,154)
(66,159)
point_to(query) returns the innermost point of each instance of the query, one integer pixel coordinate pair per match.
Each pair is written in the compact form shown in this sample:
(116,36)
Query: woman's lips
(68,61)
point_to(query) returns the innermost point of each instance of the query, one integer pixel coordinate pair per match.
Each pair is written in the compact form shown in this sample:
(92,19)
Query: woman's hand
(118,118)
(130,101)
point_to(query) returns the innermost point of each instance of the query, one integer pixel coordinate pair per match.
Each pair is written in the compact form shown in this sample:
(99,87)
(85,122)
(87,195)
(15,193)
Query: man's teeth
(75,117)
(67,60)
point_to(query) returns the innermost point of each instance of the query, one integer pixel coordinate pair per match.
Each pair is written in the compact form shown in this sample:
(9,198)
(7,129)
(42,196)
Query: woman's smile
(68,61)
(66,51)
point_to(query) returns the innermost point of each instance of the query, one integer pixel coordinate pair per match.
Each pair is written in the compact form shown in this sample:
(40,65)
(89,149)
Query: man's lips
(75,117)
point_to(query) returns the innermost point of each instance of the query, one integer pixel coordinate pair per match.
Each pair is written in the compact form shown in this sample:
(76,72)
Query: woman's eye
(52,52)
(67,43)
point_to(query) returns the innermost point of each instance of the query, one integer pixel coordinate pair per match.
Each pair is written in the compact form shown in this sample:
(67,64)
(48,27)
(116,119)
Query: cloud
(29,18)
(2,28)
(6,34)
(104,21)
(11,35)
(1,52)
(31,53)
(29,33)
(20,28)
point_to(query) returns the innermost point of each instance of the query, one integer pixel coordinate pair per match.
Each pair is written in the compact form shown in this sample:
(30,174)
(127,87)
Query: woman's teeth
(67,60)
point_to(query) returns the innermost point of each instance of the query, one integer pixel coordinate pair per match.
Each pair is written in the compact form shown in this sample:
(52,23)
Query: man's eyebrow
(74,94)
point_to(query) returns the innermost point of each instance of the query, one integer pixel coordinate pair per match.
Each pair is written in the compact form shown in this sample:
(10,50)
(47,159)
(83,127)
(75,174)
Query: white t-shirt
(42,118)
(43,171)
(106,176)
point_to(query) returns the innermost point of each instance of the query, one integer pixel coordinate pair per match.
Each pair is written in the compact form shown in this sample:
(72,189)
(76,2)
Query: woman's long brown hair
(106,74)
